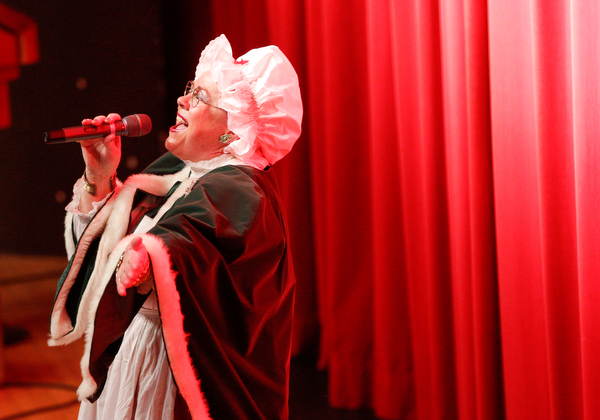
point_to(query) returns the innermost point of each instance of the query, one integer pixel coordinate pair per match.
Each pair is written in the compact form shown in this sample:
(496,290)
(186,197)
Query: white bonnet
(261,95)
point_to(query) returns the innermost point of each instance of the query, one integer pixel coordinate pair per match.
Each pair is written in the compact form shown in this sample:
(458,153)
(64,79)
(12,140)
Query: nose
(184,101)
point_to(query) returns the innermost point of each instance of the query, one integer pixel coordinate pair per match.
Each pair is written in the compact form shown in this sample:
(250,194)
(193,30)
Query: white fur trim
(111,222)
(175,336)
(112,245)
(88,386)
(61,328)
(69,243)
(173,331)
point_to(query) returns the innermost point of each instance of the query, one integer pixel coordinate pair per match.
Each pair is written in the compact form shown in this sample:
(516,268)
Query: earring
(224,138)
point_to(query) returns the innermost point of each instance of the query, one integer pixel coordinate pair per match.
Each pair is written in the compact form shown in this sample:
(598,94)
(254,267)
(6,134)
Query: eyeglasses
(198,95)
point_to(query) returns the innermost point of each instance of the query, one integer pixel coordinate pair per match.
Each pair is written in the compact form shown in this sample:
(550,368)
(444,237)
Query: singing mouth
(180,124)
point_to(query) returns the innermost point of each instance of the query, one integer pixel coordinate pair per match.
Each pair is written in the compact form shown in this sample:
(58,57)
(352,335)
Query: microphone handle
(73,134)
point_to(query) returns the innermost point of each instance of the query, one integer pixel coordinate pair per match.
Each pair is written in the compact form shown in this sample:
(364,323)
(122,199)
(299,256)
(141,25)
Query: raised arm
(102,157)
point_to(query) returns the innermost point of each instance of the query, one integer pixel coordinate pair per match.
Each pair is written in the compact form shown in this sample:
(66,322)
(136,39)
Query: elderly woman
(180,278)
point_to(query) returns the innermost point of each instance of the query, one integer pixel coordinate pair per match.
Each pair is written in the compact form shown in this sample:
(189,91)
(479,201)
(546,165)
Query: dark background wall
(96,57)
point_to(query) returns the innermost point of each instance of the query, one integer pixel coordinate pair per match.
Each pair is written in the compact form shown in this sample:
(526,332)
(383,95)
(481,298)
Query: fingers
(100,119)
(97,120)
(134,268)
(110,140)
(90,142)
(121,289)
(102,152)
(125,278)
(136,243)
(112,117)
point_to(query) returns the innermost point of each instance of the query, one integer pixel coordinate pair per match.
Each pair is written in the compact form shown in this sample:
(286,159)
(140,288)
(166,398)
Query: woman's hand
(134,268)
(101,155)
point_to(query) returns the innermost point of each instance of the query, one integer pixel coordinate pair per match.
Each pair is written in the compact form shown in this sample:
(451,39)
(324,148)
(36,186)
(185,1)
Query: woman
(180,278)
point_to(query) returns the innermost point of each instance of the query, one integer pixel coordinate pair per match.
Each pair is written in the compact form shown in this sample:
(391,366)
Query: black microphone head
(137,125)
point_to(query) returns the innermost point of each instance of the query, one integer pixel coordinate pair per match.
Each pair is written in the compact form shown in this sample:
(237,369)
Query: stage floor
(37,376)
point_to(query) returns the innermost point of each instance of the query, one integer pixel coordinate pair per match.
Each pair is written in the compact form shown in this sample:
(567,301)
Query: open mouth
(180,124)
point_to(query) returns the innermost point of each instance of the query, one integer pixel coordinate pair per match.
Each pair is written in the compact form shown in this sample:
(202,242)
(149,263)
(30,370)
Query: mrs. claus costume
(212,333)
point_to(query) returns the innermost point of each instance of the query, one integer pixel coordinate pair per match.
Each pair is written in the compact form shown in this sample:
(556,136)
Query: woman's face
(195,136)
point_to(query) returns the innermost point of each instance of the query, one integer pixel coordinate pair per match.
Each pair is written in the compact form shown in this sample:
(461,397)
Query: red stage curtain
(443,196)
(545,58)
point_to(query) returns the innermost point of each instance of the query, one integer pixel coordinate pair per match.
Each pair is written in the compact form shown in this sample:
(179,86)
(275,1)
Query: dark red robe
(224,281)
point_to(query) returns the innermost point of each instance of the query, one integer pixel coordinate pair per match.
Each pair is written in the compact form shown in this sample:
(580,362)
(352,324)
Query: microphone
(131,126)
